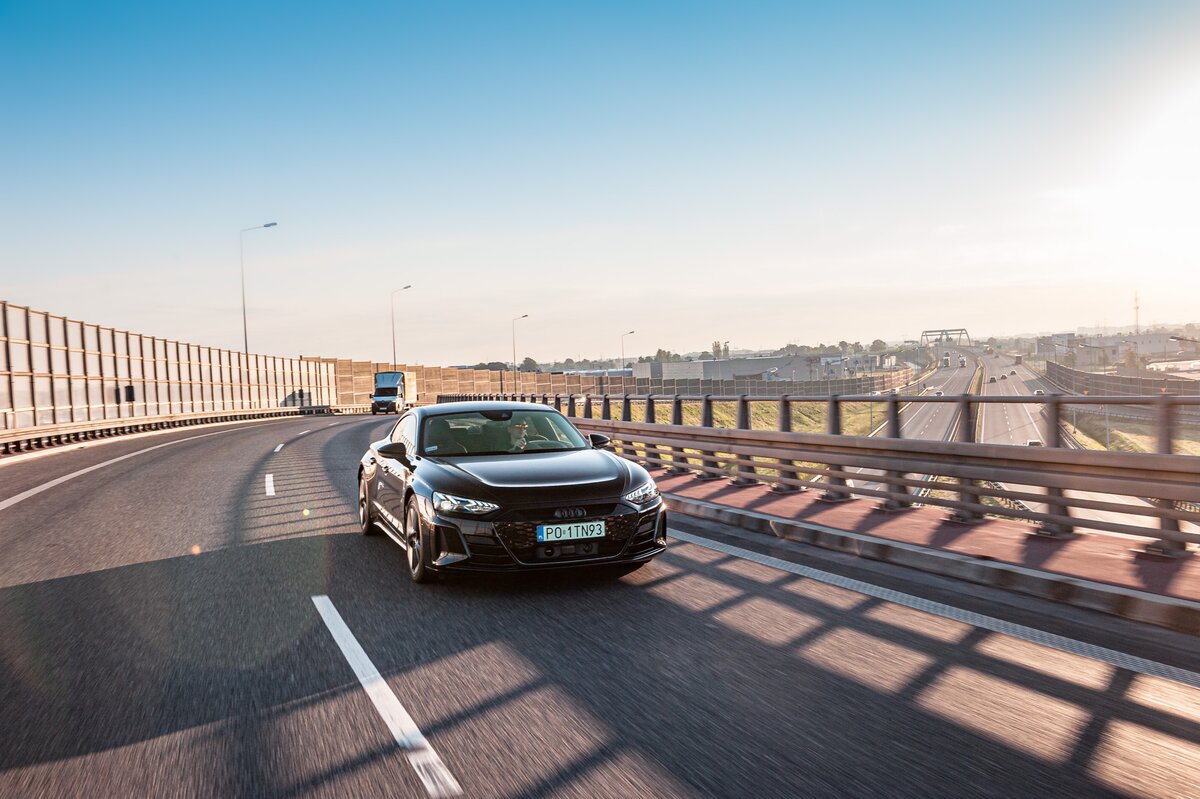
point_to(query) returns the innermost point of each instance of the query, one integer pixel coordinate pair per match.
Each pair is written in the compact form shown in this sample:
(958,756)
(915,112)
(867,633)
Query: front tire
(418,559)
(366,517)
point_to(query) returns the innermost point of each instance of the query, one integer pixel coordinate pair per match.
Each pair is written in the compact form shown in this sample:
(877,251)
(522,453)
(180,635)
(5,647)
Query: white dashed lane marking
(434,775)
(279,447)
(270,485)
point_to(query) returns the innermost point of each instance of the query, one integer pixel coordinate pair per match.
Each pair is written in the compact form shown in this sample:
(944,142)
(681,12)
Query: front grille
(521,537)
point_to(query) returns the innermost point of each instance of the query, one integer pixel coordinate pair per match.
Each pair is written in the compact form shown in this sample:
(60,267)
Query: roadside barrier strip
(1141,606)
(45,436)
(1121,660)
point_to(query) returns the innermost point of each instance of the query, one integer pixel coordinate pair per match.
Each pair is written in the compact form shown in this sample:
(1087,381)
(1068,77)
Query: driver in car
(519,435)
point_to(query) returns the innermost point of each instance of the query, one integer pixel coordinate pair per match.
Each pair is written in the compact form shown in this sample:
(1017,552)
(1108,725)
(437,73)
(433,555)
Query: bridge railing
(1157,495)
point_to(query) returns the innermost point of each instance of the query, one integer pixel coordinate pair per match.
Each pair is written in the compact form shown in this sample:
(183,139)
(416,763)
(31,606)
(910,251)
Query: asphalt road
(159,635)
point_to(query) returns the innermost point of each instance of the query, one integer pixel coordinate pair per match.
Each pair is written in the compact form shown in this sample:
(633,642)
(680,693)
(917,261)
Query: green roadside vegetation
(1128,435)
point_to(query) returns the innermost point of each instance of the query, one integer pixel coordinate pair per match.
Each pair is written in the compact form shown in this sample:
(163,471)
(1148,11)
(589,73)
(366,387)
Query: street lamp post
(623,335)
(393,305)
(516,380)
(242,258)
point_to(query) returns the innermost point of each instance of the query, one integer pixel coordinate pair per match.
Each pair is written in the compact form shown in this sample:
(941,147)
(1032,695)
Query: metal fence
(1052,486)
(55,370)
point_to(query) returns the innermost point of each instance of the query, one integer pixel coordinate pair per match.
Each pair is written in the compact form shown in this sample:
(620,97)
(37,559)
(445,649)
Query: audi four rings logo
(569,513)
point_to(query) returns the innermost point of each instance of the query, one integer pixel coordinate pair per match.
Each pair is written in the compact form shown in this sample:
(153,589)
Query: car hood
(584,474)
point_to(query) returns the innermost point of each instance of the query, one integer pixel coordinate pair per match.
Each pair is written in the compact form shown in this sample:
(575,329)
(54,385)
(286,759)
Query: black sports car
(501,486)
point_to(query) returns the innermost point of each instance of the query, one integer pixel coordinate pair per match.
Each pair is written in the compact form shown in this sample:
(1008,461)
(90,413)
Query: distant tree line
(718,350)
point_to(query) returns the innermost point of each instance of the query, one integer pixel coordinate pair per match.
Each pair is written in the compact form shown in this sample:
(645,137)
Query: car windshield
(498,433)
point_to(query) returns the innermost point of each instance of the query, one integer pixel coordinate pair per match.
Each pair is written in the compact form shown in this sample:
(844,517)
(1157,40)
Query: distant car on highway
(1003,377)
(1039,393)
(937,393)
(1033,442)
(1013,373)
(992,379)
(506,486)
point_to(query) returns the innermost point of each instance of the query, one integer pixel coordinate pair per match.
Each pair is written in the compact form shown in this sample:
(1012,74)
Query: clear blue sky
(757,172)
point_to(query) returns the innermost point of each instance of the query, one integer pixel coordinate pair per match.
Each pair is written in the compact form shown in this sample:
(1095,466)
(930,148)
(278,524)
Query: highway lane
(930,421)
(159,635)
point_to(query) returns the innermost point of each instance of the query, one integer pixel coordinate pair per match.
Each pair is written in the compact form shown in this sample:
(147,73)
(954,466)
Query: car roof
(442,408)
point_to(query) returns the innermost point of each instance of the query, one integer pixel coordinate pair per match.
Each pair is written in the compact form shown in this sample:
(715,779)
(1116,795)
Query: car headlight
(642,495)
(447,503)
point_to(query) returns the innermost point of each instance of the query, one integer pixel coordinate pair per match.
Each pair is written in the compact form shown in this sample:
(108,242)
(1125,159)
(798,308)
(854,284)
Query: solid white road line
(434,775)
(302,432)
(270,485)
(279,447)
(1110,656)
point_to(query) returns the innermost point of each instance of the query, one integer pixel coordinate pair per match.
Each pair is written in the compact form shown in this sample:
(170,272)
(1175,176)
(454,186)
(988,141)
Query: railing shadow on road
(849,671)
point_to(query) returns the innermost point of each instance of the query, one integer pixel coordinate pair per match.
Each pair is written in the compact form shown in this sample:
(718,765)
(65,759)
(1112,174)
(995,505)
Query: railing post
(571,405)
(1054,495)
(651,448)
(1165,413)
(606,408)
(968,490)
(678,460)
(626,416)
(707,457)
(893,431)
(587,406)
(558,402)
(744,471)
(785,426)
(833,421)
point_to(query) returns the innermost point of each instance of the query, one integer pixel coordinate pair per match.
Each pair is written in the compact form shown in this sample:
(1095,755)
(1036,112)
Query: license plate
(570,532)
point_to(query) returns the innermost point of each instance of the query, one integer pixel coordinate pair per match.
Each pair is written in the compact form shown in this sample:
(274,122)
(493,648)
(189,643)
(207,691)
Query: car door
(394,474)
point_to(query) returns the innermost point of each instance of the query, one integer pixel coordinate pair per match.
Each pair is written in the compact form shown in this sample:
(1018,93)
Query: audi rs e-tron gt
(505,486)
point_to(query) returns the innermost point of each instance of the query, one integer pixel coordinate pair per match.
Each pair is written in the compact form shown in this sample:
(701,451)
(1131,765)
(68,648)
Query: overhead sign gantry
(930,338)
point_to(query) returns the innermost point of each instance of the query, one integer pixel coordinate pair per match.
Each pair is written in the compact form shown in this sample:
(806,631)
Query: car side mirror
(599,441)
(395,450)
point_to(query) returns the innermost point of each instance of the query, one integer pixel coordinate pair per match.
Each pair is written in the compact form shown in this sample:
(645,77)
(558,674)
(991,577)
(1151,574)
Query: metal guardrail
(46,436)
(792,461)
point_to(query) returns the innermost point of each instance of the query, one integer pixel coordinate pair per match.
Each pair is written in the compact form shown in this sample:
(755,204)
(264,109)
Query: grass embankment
(1126,435)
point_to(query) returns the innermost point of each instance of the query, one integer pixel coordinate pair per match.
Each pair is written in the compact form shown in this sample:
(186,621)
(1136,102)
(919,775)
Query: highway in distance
(195,613)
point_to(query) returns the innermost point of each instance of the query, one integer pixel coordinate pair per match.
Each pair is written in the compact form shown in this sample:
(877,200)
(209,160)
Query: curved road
(159,635)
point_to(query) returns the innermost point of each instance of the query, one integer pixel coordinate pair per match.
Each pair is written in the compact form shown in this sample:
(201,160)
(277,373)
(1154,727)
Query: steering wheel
(543,443)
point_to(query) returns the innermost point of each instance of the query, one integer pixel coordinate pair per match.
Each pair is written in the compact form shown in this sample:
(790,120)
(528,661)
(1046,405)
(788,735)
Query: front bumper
(509,541)
(384,407)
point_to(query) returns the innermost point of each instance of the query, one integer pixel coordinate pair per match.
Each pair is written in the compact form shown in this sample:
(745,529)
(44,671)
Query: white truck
(393,392)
